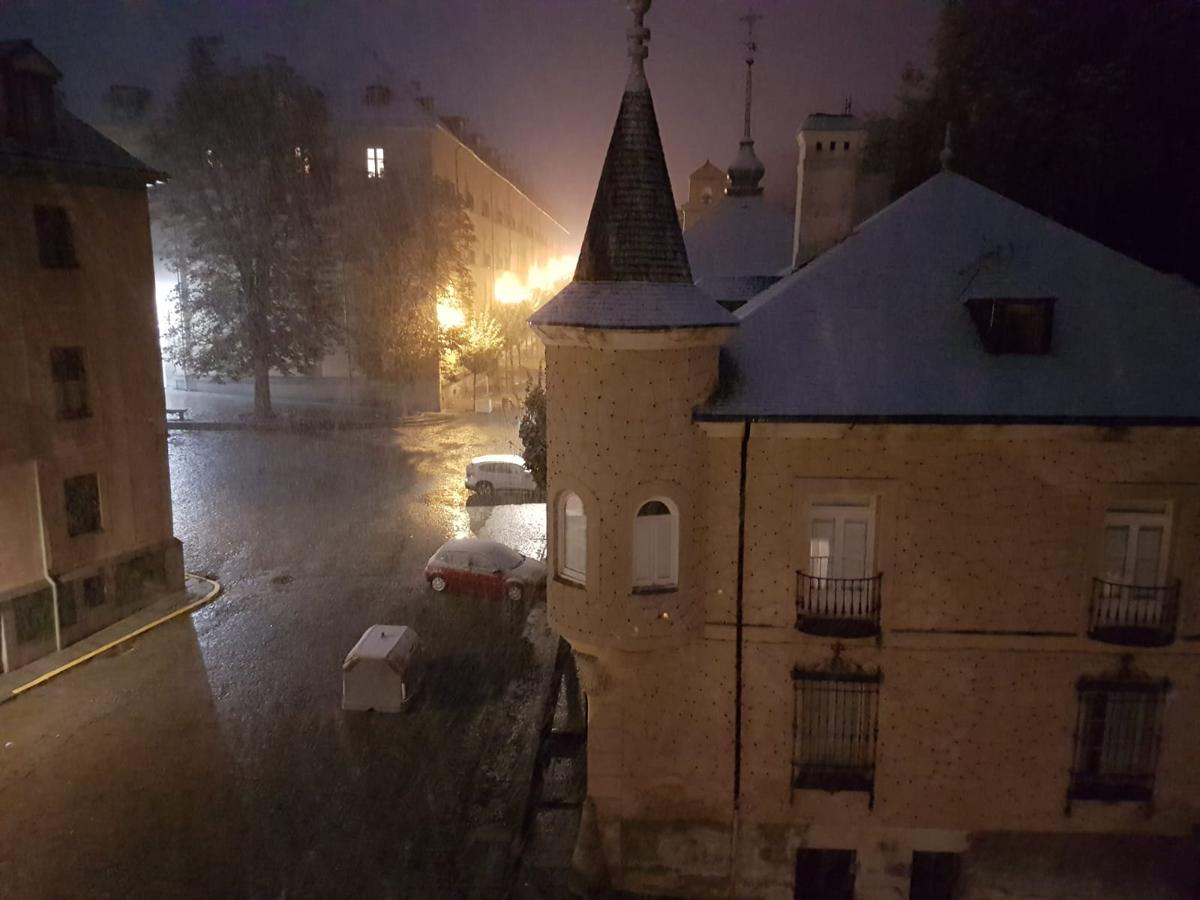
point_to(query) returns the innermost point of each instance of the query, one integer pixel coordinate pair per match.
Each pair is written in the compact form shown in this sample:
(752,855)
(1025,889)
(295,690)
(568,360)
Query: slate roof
(633,270)
(875,329)
(79,154)
(740,236)
(633,231)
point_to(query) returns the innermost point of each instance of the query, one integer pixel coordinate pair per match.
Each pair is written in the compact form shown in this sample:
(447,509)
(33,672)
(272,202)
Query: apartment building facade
(887,585)
(85,505)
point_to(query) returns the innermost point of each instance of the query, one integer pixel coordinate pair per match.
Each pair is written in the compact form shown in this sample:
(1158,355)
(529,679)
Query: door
(825,875)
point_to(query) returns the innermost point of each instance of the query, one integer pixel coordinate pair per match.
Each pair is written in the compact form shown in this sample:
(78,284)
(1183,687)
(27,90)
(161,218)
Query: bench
(179,414)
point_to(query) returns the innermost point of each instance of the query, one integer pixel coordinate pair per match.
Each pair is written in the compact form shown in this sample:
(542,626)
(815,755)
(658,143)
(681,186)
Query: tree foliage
(406,241)
(477,346)
(1085,110)
(250,197)
(533,432)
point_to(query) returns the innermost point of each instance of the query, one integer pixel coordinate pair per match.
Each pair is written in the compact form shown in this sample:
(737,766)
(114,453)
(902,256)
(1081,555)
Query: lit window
(1135,543)
(572,557)
(840,538)
(374,162)
(1133,600)
(70,382)
(656,546)
(1117,736)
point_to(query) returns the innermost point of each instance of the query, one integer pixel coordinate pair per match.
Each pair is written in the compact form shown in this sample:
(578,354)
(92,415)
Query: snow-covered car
(476,566)
(498,472)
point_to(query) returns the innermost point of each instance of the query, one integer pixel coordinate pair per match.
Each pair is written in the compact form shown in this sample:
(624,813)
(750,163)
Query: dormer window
(1023,325)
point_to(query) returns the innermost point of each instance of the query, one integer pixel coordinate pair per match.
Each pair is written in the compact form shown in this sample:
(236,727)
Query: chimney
(28,101)
(827,175)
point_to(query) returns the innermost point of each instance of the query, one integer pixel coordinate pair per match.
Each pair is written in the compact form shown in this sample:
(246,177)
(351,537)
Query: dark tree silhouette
(1085,110)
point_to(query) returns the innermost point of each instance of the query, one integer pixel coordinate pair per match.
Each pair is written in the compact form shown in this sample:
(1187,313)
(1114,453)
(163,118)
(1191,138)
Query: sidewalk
(207,410)
(197,592)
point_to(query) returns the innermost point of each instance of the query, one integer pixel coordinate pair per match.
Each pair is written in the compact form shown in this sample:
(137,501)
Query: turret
(631,350)
(827,173)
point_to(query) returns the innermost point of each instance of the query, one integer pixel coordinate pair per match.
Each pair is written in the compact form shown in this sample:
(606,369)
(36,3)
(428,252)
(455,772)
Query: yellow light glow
(449,310)
(540,279)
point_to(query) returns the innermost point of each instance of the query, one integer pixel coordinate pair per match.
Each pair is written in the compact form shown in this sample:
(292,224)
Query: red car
(475,566)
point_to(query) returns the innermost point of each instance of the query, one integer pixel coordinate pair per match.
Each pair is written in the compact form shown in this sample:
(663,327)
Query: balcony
(1133,615)
(838,607)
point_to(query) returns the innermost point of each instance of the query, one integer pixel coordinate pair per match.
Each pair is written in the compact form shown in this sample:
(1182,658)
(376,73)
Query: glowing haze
(542,280)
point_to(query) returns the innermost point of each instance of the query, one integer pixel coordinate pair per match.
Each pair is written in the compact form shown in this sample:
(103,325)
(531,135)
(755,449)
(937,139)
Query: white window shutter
(643,551)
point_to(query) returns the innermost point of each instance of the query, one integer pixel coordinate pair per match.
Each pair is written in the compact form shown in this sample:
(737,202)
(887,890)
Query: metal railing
(1117,738)
(838,607)
(1133,614)
(836,728)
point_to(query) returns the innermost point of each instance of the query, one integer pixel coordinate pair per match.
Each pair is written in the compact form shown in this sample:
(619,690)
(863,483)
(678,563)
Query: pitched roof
(22,50)
(740,236)
(875,329)
(632,306)
(79,154)
(707,169)
(633,232)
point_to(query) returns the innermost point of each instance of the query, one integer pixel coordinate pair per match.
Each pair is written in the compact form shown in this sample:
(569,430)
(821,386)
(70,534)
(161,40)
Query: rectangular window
(34,617)
(82,498)
(374,162)
(841,535)
(934,876)
(70,382)
(827,874)
(56,241)
(837,722)
(1117,737)
(1013,326)
(95,591)
(1136,537)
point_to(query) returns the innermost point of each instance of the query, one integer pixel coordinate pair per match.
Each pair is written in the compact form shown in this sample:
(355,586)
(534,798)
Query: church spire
(633,232)
(747,170)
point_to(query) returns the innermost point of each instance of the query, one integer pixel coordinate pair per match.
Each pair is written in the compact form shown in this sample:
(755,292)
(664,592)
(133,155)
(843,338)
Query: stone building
(85,503)
(887,585)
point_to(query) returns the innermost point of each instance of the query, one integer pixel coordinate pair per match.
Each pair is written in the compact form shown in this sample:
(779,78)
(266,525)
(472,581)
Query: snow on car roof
(499,458)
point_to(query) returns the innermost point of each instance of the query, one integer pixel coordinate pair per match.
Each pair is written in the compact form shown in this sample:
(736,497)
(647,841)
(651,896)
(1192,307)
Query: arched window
(656,545)
(572,532)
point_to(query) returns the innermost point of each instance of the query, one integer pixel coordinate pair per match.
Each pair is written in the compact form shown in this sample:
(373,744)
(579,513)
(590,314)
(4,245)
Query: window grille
(836,729)
(1117,737)
(34,616)
(82,496)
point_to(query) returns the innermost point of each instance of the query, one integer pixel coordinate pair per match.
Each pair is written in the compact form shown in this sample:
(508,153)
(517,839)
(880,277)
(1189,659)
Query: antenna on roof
(947,153)
(751,48)
(848,106)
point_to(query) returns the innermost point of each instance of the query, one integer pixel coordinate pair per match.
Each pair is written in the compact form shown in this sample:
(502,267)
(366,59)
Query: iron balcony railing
(838,607)
(1133,614)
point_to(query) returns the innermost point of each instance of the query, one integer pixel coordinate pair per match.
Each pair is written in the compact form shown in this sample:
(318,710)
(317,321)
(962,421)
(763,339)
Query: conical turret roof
(633,270)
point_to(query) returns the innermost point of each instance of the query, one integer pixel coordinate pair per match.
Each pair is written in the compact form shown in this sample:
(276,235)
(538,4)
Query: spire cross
(638,51)
(751,48)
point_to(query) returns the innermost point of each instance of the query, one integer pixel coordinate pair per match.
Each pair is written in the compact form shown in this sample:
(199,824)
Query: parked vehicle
(488,568)
(498,472)
(383,669)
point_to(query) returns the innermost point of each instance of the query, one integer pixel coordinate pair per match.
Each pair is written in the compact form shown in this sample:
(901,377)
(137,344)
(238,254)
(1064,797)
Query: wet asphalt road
(210,758)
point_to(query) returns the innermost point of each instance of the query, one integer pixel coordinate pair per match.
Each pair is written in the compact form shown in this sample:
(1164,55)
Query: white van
(499,472)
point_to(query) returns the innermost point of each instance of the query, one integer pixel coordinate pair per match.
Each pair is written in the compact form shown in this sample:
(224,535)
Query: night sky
(541,79)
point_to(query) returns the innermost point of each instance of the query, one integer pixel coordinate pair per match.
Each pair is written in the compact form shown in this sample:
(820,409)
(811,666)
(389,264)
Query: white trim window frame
(841,537)
(656,545)
(572,533)
(1137,538)
(374,162)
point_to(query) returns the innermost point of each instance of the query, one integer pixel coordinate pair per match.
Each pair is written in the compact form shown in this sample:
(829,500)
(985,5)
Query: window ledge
(577,585)
(639,591)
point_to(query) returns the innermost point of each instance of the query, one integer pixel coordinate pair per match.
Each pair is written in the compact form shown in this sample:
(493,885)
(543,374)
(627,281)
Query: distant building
(85,501)
(380,130)
(706,190)
(744,243)
(888,584)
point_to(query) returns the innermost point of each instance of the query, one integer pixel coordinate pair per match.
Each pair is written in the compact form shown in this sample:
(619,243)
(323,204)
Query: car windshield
(503,557)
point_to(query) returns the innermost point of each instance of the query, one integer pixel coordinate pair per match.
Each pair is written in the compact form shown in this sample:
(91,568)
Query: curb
(213,593)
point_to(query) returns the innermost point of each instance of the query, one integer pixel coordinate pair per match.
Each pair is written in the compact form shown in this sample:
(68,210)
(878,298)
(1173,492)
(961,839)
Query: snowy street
(210,757)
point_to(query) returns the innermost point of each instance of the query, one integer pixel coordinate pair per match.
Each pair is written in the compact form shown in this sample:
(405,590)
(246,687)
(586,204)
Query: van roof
(391,643)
